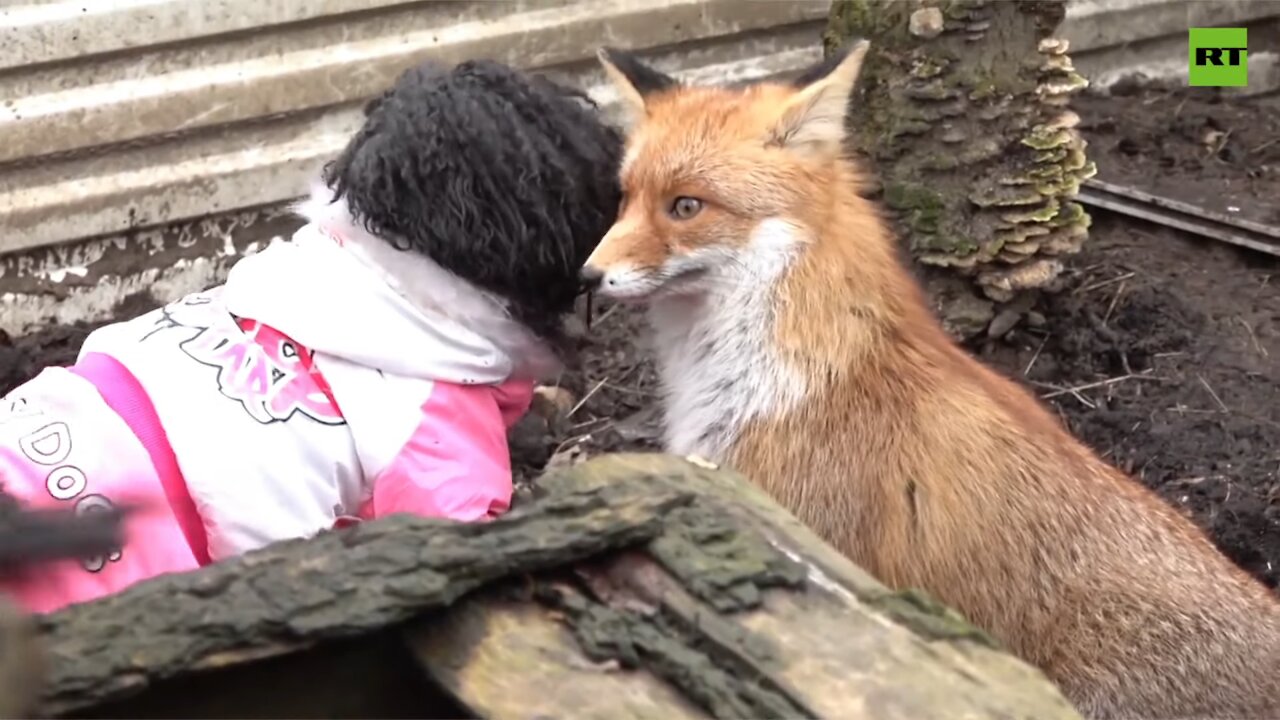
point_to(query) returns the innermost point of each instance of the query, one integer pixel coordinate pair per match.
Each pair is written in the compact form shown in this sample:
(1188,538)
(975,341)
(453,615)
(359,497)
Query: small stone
(1036,320)
(1128,85)
(530,441)
(551,402)
(926,23)
(1004,321)
(568,457)
(963,314)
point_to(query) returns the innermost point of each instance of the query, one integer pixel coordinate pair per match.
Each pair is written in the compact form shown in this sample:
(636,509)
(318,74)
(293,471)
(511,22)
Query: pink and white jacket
(332,378)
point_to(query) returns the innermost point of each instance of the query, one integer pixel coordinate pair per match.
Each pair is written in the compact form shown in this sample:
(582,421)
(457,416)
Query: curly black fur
(505,179)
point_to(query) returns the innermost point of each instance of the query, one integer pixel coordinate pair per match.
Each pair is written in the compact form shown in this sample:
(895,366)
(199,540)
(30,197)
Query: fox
(794,345)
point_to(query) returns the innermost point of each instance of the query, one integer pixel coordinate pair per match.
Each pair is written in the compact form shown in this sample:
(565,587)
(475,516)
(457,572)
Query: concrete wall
(146,144)
(1113,38)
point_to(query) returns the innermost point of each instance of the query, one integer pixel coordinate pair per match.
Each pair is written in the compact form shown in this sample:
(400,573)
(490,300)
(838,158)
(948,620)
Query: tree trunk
(963,115)
(633,586)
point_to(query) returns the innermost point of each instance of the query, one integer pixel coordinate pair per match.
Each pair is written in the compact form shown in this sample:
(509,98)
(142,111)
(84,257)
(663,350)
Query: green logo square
(1218,57)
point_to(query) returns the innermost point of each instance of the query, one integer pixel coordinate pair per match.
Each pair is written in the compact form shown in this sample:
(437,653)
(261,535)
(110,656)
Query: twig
(575,440)
(629,391)
(1112,308)
(1264,146)
(1223,142)
(1216,399)
(586,397)
(1104,283)
(1183,410)
(1084,400)
(1036,356)
(1101,383)
(589,423)
(1065,391)
(1256,345)
(600,320)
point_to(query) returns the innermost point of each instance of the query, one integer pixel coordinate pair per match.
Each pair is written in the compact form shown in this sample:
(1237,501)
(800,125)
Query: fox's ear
(815,114)
(634,80)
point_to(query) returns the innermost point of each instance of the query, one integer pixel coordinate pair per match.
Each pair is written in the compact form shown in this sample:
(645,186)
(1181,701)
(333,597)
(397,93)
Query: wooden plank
(739,609)
(510,659)
(1183,216)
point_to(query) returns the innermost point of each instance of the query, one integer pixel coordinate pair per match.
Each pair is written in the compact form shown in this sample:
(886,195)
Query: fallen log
(734,610)
(293,595)
(631,586)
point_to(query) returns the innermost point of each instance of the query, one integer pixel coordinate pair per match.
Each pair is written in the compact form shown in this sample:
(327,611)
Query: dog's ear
(634,81)
(375,103)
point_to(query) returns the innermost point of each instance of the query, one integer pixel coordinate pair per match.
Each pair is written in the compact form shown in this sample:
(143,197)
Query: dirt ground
(1186,144)
(1163,352)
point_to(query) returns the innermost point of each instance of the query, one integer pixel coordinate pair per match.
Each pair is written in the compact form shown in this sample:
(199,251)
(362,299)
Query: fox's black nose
(590,278)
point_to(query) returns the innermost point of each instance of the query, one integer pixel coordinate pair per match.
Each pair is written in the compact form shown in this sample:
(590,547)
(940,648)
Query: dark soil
(1162,353)
(1174,346)
(1193,324)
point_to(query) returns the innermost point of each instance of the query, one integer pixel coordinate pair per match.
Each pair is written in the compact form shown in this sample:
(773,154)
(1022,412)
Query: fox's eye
(685,207)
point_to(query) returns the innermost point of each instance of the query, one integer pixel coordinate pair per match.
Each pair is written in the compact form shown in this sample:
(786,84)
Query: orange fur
(918,462)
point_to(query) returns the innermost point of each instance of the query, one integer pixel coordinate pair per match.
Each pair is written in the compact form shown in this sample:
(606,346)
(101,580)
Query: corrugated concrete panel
(167,134)
(1113,38)
(1094,25)
(50,31)
(147,144)
(65,282)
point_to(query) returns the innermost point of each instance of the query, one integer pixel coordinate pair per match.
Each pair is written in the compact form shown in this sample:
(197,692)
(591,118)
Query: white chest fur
(716,353)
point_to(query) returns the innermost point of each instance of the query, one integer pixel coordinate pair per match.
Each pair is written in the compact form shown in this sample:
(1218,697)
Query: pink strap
(125,395)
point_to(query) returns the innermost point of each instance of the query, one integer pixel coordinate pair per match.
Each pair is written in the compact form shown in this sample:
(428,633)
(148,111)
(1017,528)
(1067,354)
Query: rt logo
(1219,57)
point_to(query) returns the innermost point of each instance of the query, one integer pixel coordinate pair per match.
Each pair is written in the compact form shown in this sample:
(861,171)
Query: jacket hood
(337,289)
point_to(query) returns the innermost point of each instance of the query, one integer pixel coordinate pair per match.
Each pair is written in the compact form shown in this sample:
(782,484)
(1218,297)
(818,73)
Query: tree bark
(632,586)
(292,595)
(963,114)
(734,610)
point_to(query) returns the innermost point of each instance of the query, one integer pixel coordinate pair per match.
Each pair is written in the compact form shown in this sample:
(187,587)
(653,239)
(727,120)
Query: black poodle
(434,168)
(369,366)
